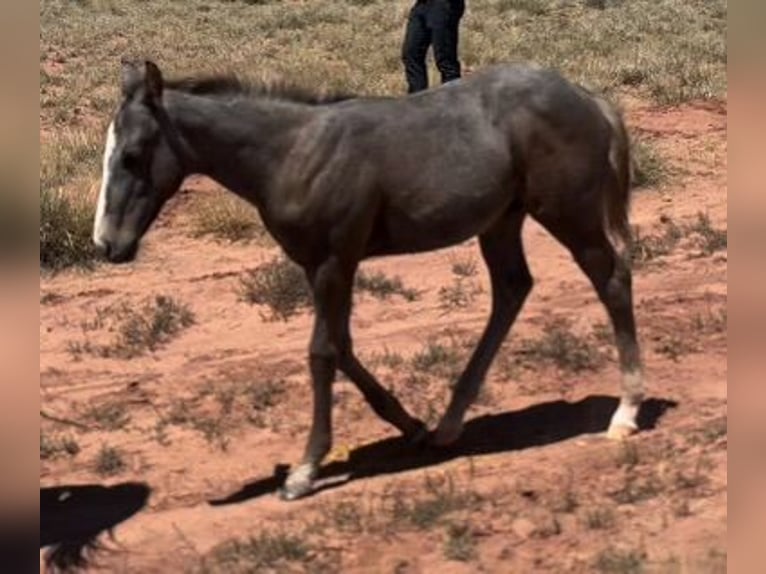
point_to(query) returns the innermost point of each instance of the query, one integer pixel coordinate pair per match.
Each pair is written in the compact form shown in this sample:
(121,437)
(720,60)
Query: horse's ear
(141,76)
(130,77)
(152,80)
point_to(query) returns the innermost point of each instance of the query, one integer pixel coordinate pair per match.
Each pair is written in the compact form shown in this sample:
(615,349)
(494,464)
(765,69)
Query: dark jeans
(432,22)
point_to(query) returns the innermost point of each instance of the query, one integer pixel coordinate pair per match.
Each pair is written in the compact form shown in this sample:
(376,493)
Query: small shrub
(53,447)
(228,219)
(109,461)
(436,358)
(712,239)
(674,346)
(650,167)
(560,347)
(347,516)
(138,331)
(279,284)
(460,544)
(646,248)
(441,499)
(382,287)
(615,561)
(109,416)
(637,489)
(214,430)
(266,551)
(464,267)
(66,227)
(147,329)
(600,519)
(459,295)
(265,395)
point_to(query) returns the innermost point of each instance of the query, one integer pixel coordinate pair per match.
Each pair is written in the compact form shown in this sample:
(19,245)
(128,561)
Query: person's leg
(416,40)
(444,22)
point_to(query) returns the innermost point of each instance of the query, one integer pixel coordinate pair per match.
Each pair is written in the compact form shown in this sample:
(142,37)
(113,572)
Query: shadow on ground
(537,425)
(72,518)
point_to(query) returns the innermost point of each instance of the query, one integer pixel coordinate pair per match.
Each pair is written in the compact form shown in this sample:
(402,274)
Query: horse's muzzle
(117,253)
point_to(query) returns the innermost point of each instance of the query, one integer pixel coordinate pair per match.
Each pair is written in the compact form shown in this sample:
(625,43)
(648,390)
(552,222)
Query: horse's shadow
(72,519)
(536,425)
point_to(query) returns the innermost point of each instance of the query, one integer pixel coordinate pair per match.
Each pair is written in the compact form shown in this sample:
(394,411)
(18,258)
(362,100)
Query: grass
(263,396)
(637,489)
(264,552)
(109,461)
(150,326)
(464,267)
(651,169)
(461,293)
(617,561)
(712,239)
(460,544)
(347,516)
(647,248)
(667,50)
(559,346)
(69,167)
(442,498)
(109,416)
(66,226)
(600,519)
(382,287)
(438,359)
(228,218)
(52,447)
(278,284)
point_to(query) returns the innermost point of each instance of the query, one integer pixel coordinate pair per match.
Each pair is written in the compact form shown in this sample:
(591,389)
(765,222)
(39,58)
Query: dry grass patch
(619,561)
(55,446)
(559,346)
(265,552)
(109,461)
(228,218)
(651,169)
(460,543)
(147,328)
(278,284)
(382,287)
(108,416)
(442,497)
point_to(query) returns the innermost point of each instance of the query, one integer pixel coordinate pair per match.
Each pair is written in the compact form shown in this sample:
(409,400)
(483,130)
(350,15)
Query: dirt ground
(533,485)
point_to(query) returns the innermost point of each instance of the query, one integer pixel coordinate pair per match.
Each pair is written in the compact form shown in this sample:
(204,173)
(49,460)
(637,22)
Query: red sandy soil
(528,503)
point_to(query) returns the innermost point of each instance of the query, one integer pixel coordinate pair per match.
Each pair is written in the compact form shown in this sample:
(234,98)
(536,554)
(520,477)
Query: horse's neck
(240,145)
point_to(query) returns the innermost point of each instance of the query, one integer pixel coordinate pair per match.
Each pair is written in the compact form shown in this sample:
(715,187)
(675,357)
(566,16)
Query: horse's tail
(619,181)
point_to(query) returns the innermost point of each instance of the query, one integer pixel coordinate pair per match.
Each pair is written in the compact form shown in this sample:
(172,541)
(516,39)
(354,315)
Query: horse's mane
(232,85)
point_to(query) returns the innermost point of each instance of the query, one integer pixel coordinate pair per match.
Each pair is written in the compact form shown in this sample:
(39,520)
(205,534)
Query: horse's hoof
(299,483)
(620,431)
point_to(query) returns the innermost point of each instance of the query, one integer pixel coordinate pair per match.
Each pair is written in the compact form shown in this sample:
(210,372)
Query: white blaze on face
(100,225)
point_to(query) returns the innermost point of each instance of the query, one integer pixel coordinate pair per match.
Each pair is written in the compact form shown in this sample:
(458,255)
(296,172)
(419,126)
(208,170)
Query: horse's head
(142,167)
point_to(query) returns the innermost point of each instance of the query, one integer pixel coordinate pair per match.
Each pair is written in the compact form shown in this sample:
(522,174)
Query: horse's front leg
(331,285)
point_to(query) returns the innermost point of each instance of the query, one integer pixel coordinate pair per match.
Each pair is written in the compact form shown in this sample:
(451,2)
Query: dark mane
(231,85)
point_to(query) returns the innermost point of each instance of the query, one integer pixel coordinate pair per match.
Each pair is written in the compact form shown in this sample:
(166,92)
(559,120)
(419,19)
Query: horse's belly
(424,227)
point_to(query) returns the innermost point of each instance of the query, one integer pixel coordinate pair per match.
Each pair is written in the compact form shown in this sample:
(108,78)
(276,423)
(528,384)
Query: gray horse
(340,179)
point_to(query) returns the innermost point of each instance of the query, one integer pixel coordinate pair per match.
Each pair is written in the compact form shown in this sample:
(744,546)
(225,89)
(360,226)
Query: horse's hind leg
(503,253)
(610,274)
(385,405)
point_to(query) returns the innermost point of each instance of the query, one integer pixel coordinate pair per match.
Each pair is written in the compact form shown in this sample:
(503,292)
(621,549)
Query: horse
(338,179)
